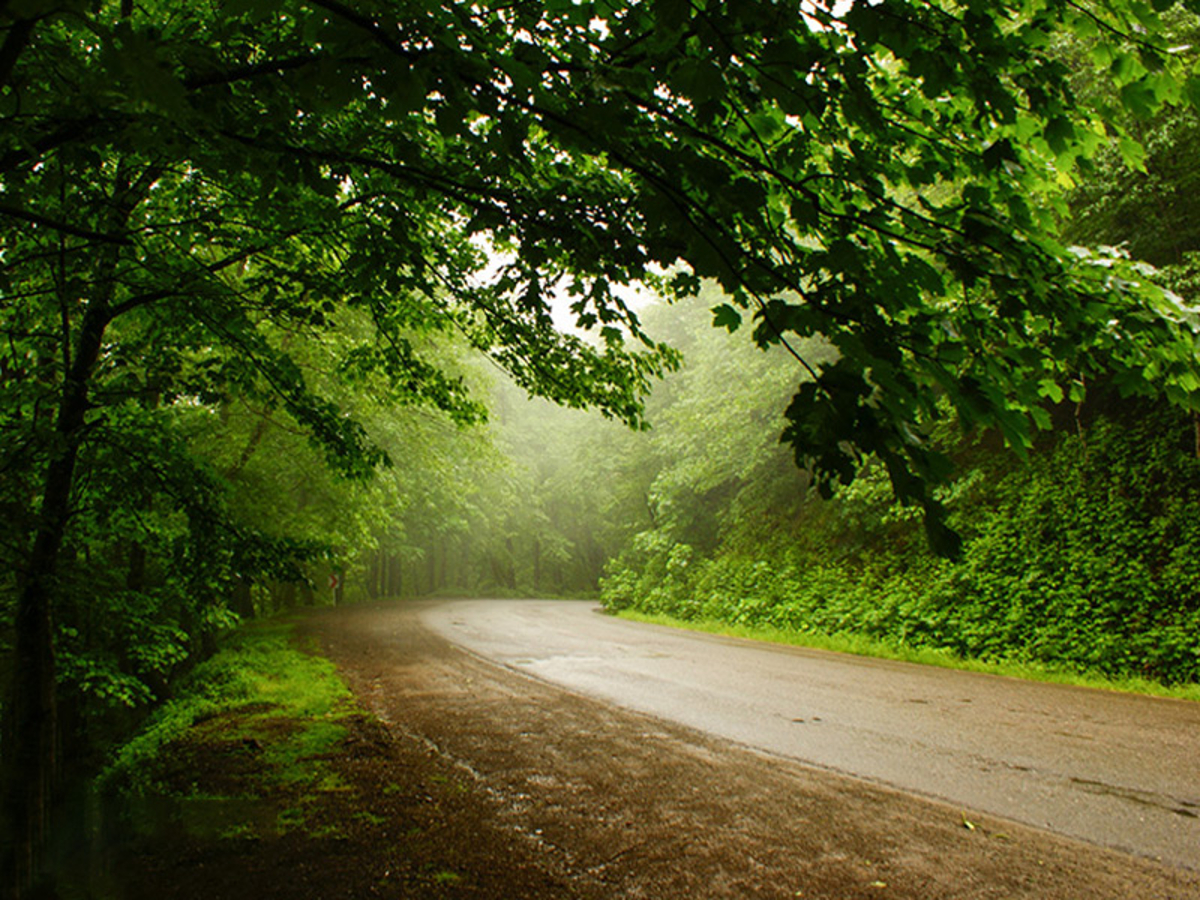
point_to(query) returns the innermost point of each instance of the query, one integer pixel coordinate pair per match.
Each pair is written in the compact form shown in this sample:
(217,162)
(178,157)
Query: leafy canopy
(885,174)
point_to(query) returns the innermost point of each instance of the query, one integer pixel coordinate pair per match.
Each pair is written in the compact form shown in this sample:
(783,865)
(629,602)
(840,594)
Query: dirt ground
(475,781)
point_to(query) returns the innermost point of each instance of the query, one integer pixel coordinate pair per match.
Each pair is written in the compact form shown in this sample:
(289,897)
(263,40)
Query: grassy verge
(259,715)
(264,778)
(861,646)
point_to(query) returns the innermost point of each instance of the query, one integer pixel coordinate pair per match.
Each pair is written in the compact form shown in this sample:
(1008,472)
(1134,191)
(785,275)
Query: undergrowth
(260,690)
(1085,561)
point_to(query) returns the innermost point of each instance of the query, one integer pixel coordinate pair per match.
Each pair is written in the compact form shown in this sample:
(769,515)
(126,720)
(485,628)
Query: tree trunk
(373,576)
(31,732)
(510,565)
(29,741)
(287,598)
(242,600)
(135,575)
(29,766)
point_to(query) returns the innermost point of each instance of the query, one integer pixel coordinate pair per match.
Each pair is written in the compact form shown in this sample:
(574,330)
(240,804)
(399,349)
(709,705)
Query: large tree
(183,185)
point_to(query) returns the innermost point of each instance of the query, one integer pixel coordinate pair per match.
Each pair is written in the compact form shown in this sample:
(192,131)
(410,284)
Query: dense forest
(884,315)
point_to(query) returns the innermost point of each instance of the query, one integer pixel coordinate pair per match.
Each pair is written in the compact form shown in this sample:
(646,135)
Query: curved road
(1117,770)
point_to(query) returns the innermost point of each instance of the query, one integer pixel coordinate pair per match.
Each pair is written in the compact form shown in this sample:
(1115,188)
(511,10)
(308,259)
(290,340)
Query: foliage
(1082,560)
(1086,559)
(259,668)
(537,522)
(241,232)
(190,200)
(1143,199)
(874,175)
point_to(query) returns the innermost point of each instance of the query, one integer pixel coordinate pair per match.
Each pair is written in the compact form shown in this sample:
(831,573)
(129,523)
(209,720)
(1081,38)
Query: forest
(874,319)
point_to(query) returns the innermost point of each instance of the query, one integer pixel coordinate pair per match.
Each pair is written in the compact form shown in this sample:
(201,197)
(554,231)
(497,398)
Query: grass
(259,695)
(863,646)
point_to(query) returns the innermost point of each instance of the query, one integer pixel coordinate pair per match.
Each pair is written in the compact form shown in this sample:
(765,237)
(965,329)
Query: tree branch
(19,34)
(62,227)
(245,73)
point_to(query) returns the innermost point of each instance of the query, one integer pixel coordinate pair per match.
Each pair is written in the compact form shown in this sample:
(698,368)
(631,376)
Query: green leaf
(725,316)
(1060,133)
(1139,98)
(699,79)
(1133,153)
(671,15)
(1189,381)
(1192,91)
(1050,390)
(805,212)
(404,88)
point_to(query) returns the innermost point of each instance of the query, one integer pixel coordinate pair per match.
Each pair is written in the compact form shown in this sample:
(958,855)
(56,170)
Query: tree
(1145,201)
(182,185)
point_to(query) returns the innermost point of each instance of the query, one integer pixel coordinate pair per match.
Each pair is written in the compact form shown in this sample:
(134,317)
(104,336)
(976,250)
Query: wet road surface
(1117,770)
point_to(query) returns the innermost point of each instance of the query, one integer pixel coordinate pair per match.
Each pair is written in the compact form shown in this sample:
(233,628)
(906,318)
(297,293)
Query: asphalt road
(1117,770)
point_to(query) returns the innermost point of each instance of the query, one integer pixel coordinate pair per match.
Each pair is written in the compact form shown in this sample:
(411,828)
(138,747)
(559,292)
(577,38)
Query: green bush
(1087,558)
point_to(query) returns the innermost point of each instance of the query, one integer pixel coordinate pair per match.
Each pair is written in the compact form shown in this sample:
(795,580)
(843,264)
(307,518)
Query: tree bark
(31,733)
(467,577)
(396,581)
(373,576)
(510,565)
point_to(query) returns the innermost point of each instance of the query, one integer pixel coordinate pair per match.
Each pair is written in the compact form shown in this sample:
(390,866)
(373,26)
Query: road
(1116,770)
